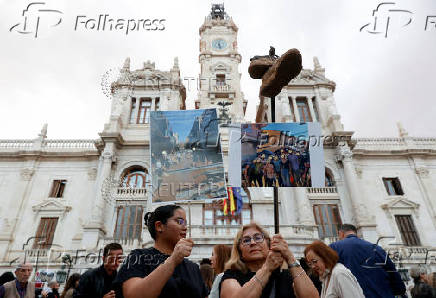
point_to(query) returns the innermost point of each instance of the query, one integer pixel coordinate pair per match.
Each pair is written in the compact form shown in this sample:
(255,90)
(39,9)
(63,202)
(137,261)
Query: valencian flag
(233,202)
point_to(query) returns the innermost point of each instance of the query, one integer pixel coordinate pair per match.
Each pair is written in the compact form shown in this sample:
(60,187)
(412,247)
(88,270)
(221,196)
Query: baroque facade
(74,196)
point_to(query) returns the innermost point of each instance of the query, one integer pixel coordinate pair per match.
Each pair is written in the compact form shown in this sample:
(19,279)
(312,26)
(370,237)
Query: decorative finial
(43,133)
(126,65)
(176,63)
(149,65)
(317,67)
(401,131)
(316,64)
(217,11)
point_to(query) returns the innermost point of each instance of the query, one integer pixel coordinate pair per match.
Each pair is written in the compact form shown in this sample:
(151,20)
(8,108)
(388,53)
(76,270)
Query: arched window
(135,177)
(329,180)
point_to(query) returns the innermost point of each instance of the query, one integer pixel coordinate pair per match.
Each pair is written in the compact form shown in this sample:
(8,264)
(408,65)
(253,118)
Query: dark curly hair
(162,214)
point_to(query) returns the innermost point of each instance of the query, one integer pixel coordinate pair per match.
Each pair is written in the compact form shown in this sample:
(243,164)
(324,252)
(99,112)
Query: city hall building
(74,196)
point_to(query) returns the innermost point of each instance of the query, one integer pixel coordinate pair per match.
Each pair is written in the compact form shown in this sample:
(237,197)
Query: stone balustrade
(70,144)
(230,231)
(16,144)
(127,192)
(389,144)
(221,88)
(48,145)
(322,190)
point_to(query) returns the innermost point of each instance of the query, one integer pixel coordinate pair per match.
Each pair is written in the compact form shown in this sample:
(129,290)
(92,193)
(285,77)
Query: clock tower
(219,80)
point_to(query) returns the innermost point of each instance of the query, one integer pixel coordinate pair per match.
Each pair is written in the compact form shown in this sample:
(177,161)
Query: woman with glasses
(337,280)
(261,266)
(162,270)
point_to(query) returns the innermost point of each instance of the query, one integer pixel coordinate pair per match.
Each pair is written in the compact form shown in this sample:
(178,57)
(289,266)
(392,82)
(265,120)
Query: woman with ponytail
(162,270)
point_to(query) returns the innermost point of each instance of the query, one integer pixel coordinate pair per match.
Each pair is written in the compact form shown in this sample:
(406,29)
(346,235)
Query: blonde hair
(235,262)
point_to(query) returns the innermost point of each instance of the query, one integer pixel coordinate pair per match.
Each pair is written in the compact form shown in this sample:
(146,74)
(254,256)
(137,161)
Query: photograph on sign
(186,157)
(280,155)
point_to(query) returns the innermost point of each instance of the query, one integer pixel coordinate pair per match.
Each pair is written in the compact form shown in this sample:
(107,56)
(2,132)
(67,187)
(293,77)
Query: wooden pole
(276,189)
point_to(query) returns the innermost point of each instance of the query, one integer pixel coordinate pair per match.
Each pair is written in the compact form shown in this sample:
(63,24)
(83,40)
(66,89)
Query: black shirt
(186,280)
(280,280)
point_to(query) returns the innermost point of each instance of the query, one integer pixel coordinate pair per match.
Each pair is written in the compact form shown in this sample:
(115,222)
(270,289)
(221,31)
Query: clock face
(219,44)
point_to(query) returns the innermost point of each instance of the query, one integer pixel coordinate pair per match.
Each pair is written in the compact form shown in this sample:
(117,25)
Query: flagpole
(189,209)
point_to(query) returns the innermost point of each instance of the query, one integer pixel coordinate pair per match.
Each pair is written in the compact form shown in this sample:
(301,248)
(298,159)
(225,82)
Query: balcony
(128,193)
(321,190)
(230,231)
(221,88)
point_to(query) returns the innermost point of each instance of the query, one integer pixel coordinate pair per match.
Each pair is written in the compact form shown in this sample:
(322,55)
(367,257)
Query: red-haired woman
(220,256)
(337,280)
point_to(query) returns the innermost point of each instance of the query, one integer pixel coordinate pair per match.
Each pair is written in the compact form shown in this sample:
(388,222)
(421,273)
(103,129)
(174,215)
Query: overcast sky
(55,78)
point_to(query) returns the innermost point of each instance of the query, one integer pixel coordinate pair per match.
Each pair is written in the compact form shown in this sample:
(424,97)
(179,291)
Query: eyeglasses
(312,263)
(257,238)
(180,221)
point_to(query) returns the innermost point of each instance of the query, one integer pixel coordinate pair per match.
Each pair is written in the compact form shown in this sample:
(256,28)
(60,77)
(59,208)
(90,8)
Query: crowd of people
(283,168)
(256,265)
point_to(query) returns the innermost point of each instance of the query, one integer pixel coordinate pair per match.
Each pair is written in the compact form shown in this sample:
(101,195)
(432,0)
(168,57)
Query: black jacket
(91,284)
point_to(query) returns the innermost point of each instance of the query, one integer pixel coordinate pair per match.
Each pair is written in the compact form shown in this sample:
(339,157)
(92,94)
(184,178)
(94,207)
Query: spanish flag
(232,200)
(225,207)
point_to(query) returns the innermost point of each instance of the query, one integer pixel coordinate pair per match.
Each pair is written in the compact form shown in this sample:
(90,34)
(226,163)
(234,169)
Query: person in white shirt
(337,280)
(220,255)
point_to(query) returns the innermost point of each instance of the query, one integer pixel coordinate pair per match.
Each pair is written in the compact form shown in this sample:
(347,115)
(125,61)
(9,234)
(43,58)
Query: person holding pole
(162,270)
(264,267)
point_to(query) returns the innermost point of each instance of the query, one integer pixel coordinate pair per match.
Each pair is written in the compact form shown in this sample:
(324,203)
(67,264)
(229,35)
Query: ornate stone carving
(92,173)
(422,172)
(107,155)
(27,173)
(358,172)
(52,206)
(363,216)
(343,152)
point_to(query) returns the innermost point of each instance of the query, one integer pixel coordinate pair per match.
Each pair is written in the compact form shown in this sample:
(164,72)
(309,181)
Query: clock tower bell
(219,80)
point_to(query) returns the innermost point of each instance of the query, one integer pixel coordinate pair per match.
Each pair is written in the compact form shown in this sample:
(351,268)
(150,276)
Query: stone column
(12,225)
(312,111)
(296,113)
(360,213)
(98,225)
(305,213)
(425,184)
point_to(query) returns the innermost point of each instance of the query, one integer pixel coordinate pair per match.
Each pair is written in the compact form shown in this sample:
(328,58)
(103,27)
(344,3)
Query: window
(220,80)
(407,230)
(244,106)
(213,214)
(329,181)
(144,111)
(393,186)
(156,104)
(57,189)
(45,233)
(197,105)
(129,223)
(135,177)
(292,109)
(303,110)
(133,111)
(328,219)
